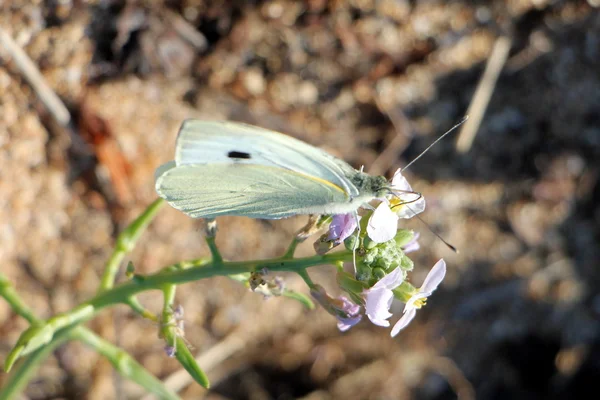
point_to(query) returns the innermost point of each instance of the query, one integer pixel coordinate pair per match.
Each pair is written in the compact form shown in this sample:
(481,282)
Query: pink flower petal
(415,204)
(342,226)
(378,299)
(413,245)
(382,224)
(403,322)
(399,182)
(434,277)
(377,306)
(346,323)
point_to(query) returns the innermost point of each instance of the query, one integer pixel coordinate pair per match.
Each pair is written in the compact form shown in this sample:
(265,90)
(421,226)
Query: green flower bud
(368,243)
(351,242)
(378,273)
(380,259)
(403,237)
(406,263)
(363,271)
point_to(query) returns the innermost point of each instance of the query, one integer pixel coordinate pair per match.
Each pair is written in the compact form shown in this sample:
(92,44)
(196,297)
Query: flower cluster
(381,263)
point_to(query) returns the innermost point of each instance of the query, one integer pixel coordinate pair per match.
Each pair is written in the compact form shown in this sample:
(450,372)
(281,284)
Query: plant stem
(125,364)
(136,306)
(292,248)
(21,376)
(120,359)
(125,243)
(7,291)
(38,336)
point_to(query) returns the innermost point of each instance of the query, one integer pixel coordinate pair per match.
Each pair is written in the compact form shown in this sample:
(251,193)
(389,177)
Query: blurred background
(371,81)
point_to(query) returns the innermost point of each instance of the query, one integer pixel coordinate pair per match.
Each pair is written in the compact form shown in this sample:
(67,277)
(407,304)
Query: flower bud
(378,273)
(403,237)
(346,312)
(351,243)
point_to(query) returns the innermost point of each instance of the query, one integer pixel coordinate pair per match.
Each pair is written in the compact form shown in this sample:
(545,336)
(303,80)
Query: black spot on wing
(239,155)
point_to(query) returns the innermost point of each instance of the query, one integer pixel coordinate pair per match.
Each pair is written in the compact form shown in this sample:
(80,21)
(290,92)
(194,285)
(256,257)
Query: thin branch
(483,93)
(33,75)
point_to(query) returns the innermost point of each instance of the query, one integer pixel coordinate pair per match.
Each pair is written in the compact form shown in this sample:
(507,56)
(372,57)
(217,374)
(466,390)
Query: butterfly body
(226,168)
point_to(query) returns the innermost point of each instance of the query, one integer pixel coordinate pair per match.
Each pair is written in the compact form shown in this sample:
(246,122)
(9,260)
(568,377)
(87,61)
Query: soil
(518,315)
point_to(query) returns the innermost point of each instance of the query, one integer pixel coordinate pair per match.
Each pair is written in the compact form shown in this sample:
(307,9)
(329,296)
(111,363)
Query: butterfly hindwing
(255,191)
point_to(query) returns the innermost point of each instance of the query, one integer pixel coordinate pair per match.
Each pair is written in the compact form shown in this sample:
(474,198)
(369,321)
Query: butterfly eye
(239,154)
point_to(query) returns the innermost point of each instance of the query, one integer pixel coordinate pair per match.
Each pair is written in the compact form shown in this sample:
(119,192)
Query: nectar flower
(404,204)
(379,297)
(170,351)
(346,312)
(407,203)
(417,300)
(341,227)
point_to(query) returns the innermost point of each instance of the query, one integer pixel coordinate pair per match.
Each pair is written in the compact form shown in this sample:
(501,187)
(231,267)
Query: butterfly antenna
(454,249)
(462,121)
(419,197)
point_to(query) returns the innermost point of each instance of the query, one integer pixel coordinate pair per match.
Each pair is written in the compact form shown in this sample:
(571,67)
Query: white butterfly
(227,168)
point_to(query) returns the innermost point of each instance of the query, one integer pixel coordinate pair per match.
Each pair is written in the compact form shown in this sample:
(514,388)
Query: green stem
(174,275)
(21,376)
(125,364)
(37,336)
(214,251)
(125,243)
(136,306)
(120,359)
(292,248)
(168,300)
(304,275)
(211,233)
(19,307)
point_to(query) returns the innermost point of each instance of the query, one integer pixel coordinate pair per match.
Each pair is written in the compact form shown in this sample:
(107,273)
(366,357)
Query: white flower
(383,224)
(432,281)
(406,203)
(379,297)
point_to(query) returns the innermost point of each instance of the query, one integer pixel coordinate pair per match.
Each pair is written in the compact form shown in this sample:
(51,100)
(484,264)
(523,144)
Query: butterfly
(228,168)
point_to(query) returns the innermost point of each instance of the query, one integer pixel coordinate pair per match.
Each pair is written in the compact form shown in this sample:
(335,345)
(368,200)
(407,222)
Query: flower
(413,245)
(417,300)
(379,297)
(346,312)
(405,195)
(345,323)
(170,351)
(341,227)
(383,223)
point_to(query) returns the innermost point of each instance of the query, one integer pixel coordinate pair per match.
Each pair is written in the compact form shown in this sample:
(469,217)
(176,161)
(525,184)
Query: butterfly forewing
(207,142)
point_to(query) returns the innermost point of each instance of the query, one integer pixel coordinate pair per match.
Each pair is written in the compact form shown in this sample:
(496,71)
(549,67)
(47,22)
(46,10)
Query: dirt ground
(518,316)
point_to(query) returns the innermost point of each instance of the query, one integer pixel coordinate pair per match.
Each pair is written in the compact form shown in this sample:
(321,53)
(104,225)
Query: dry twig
(483,93)
(33,75)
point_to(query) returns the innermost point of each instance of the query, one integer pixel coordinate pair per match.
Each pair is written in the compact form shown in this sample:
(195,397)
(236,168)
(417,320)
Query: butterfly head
(374,186)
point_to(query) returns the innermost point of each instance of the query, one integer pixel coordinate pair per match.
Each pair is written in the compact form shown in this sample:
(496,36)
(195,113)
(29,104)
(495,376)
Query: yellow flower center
(420,302)
(395,204)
